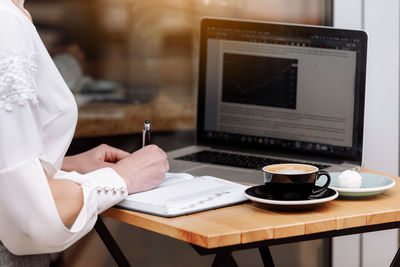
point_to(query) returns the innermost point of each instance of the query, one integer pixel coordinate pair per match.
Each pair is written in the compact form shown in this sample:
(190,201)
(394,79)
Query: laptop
(276,93)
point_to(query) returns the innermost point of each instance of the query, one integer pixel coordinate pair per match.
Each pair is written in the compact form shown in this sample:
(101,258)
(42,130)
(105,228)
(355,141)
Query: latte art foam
(291,170)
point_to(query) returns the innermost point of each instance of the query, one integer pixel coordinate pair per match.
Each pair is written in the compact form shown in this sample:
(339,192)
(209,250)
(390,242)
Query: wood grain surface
(251,222)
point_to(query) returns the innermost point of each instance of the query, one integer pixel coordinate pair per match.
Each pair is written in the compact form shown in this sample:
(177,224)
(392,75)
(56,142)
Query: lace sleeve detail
(17,78)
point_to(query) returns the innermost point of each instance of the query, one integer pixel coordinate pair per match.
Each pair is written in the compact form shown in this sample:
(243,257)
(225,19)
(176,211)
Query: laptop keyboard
(238,160)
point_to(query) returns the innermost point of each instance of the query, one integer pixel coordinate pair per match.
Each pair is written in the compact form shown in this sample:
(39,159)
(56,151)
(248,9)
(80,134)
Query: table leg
(266,256)
(110,243)
(396,259)
(224,259)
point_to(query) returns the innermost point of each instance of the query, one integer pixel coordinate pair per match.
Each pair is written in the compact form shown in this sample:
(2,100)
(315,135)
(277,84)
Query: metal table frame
(223,255)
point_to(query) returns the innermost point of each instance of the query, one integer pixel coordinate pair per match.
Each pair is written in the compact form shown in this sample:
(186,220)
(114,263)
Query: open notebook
(182,193)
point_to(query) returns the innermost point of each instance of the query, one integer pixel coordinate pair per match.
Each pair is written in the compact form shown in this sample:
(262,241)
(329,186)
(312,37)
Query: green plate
(372,184)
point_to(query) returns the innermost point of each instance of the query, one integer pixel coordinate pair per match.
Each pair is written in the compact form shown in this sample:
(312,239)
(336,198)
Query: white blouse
(38,116)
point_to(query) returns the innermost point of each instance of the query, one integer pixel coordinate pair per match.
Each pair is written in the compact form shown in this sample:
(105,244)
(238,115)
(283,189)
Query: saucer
(372,184)
(262,195)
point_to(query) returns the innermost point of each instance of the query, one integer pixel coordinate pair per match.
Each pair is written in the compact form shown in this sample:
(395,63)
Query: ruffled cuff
(106,183)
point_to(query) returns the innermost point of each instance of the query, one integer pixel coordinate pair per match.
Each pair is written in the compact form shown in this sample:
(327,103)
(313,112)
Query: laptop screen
(282,87)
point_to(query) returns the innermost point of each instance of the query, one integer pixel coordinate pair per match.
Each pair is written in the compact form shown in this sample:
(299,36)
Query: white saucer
(252,194)
(372,184)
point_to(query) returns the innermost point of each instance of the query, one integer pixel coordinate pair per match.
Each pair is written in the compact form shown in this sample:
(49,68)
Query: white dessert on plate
(349,179)
(352,186)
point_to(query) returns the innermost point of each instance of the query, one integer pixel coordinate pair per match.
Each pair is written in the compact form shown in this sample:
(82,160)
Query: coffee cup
(292,181)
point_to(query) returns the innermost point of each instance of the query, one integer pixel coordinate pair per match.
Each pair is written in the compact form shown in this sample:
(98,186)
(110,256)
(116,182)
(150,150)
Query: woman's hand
(96,158)
(144,169)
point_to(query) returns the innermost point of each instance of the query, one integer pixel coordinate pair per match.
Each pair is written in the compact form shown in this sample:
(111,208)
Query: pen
(146,133)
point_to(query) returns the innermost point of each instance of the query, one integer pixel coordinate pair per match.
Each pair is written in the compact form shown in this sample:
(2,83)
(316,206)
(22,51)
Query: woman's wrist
(67,164)
(120,173)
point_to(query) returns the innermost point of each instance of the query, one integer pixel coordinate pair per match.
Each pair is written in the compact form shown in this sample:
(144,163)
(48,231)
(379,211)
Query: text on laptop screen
(283,86)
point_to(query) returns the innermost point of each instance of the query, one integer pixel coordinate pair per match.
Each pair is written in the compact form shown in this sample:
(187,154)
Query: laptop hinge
(263,153)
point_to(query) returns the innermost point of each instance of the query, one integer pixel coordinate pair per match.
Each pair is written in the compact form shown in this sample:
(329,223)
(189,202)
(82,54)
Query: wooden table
(249,225)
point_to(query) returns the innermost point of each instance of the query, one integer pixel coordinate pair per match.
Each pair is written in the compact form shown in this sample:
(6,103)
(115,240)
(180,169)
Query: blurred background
(131,60)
